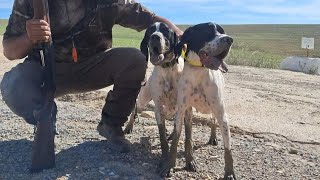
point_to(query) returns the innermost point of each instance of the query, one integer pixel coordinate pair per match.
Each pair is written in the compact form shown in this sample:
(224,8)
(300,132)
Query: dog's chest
(168,95)
(164,90)
(201,93)
(201,101)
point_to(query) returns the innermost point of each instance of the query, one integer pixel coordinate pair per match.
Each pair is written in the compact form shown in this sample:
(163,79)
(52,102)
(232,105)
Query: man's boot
(115,137)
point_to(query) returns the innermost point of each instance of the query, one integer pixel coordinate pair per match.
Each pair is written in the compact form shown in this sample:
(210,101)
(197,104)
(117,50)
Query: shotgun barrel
(43,154)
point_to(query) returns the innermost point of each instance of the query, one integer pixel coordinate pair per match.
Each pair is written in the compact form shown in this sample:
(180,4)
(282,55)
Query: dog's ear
(144,46)
(178,49)
(175,44)
(185,39)
(176,39)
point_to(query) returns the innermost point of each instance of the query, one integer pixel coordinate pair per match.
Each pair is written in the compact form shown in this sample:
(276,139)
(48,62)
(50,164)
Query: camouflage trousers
(122,67)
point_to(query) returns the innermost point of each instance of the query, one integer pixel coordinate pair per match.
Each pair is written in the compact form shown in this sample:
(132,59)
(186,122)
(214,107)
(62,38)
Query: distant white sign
(307,43)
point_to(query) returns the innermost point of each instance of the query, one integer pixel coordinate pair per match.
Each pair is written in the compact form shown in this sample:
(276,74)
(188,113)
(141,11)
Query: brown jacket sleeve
(133,15)
(21,12)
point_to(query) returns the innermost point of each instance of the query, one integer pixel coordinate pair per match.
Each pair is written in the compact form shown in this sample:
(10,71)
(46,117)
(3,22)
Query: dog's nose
(155,37)
(227,39)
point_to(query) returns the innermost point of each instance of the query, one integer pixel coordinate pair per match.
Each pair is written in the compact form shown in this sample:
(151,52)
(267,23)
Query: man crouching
(81,32)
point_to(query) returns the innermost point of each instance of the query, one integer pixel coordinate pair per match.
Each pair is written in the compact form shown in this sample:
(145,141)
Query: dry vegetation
(255,45)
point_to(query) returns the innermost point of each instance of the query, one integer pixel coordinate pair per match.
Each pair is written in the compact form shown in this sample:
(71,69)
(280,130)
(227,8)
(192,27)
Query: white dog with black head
(158,45)
(201,86)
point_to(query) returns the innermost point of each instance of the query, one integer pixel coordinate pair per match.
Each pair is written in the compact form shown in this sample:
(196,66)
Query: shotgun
(43,155)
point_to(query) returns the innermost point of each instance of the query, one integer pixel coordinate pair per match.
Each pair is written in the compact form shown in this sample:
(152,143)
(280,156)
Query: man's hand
(179,33)
(38,30)
(17,47)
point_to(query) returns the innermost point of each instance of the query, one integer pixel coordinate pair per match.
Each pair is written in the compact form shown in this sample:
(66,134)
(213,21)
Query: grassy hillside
(267,45)
(255,45)
(3,24)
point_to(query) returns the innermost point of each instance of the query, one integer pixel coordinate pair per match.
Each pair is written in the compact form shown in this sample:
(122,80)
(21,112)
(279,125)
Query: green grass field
(255,45)
(3,24)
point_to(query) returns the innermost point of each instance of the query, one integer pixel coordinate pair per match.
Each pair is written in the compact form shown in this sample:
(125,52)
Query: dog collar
(191,61)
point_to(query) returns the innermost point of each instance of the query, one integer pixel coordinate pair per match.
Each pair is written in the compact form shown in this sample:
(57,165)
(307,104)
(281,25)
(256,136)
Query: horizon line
(182,24)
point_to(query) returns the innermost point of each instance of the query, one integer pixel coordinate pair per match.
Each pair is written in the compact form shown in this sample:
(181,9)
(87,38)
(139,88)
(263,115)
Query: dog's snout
(155,37)
(227,39)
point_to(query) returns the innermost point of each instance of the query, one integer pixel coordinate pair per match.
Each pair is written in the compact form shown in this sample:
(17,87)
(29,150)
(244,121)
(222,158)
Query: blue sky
(226,11)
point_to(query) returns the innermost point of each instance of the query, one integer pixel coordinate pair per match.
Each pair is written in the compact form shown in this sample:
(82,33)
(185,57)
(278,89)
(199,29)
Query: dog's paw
(229,176)
(213,141)
(164,169)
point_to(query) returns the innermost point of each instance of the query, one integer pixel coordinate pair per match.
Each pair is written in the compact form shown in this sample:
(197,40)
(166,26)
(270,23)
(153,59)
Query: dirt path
(275,118)
(276,101)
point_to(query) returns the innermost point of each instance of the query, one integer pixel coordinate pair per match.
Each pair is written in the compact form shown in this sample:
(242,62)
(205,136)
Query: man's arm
(170,24)
(133,15)
(17,47)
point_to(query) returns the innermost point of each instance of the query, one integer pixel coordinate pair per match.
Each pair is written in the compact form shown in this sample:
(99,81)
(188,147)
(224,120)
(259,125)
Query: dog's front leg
(162,132)
(129,126)
(225,131)
(171,160)
(143,99)
(191,164)
(213,136)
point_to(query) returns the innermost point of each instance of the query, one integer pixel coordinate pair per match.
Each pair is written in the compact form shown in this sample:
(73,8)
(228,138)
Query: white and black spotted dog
(201,86)
(158,45)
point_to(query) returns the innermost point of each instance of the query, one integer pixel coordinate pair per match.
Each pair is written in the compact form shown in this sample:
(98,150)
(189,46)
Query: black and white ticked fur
(158,45)
(203,89)
(162,86)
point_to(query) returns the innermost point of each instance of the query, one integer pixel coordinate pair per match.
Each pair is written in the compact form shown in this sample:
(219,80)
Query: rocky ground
(274,114)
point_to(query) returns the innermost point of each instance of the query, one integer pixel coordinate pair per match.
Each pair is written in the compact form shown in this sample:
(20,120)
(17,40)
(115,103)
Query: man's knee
(134,69)
(21,89)
(121,100)
(138,59)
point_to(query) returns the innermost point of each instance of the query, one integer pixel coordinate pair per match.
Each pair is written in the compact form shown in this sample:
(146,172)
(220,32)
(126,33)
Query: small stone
(147,114)
(293,151)
(102,170)
(116,177)
(312,157)
(145,164)
(257,150)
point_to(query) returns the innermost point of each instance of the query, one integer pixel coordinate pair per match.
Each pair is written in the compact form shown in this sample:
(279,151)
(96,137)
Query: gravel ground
(82,154)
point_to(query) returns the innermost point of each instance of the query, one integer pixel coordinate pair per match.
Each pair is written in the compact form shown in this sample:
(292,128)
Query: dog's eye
(164,30)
